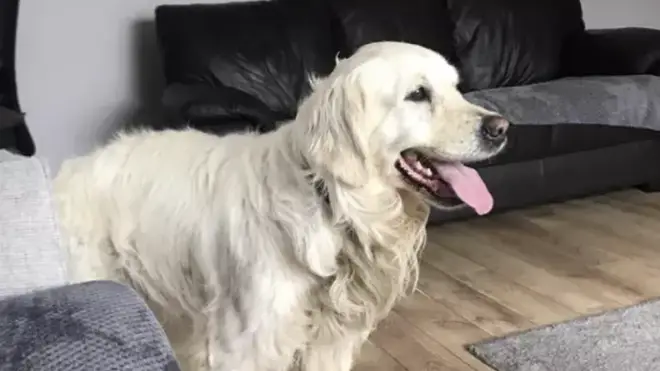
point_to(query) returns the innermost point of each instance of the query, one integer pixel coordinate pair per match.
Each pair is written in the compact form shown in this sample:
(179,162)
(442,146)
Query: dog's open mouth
(448,183)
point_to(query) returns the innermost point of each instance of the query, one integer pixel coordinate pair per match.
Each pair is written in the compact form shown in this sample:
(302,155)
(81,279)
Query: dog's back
(129,210)
(193,222)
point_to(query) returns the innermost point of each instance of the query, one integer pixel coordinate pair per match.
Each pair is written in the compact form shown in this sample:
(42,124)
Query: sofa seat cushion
(575,114)
(535,142)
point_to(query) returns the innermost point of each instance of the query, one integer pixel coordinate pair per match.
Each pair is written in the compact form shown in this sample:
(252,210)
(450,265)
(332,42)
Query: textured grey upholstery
(629,101)
(83,327)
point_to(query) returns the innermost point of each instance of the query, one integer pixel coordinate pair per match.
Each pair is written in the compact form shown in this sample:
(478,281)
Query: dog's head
(392,113)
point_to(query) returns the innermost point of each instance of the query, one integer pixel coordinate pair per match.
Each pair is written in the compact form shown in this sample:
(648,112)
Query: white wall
(621,13)
(86,67)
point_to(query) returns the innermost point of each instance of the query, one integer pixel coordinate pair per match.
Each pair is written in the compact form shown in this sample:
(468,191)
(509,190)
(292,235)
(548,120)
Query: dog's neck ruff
(321,191)
(377,263)
(319,185)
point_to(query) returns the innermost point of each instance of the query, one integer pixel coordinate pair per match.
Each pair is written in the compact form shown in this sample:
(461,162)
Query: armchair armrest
(622,51)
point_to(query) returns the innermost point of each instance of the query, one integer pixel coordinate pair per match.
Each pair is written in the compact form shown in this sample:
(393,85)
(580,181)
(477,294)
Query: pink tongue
(468,186)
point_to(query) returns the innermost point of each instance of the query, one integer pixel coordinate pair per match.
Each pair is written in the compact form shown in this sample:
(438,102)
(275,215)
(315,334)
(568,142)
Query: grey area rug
(621,340)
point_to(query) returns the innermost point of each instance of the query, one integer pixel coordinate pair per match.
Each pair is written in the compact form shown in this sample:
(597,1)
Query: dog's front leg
(336,356)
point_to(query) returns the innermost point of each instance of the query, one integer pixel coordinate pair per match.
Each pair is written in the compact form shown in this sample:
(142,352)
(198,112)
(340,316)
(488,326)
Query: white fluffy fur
(227,239)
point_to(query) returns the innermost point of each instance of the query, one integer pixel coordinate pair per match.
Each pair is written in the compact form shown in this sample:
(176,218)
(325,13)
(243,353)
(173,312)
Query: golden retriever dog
(283,251)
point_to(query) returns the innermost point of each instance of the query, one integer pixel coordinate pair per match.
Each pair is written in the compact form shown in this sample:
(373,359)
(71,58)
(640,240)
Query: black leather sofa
(238,65)
(14,134)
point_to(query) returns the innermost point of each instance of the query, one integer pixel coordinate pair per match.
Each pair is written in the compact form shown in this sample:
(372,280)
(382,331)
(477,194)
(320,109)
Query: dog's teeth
(423,169)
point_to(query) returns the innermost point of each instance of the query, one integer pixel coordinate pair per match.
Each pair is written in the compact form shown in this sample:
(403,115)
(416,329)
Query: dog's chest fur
(374,263)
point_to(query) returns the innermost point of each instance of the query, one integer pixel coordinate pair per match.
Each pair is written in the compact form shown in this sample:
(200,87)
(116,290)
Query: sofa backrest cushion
(511,42)
(266,50)
(423,22)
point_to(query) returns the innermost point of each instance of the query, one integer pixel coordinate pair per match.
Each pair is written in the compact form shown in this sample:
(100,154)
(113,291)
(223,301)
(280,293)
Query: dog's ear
(341,122)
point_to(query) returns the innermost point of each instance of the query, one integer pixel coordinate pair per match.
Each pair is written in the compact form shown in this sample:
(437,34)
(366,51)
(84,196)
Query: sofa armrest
(621,51)
(31,254)
(222,126)
(98,325)
(219,109)
(10,118)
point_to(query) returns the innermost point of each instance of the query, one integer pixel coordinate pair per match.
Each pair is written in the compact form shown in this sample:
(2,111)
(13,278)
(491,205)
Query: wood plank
(586,234)
(415,350)
(477,308)
(500,274)
(372,358)
(533,306)
(636,273)
(447,327)
(535,252)
(448,261)
(495,257)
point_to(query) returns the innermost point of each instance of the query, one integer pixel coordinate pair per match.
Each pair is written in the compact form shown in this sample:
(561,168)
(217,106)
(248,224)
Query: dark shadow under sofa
(245,65)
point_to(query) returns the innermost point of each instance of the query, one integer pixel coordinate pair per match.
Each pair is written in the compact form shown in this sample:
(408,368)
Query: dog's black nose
(494,128)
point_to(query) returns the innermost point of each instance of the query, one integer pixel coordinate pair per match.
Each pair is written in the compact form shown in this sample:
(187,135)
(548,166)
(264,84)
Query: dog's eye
(420,94)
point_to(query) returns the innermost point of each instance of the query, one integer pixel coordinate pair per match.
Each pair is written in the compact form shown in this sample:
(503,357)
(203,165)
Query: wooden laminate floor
(499,274)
